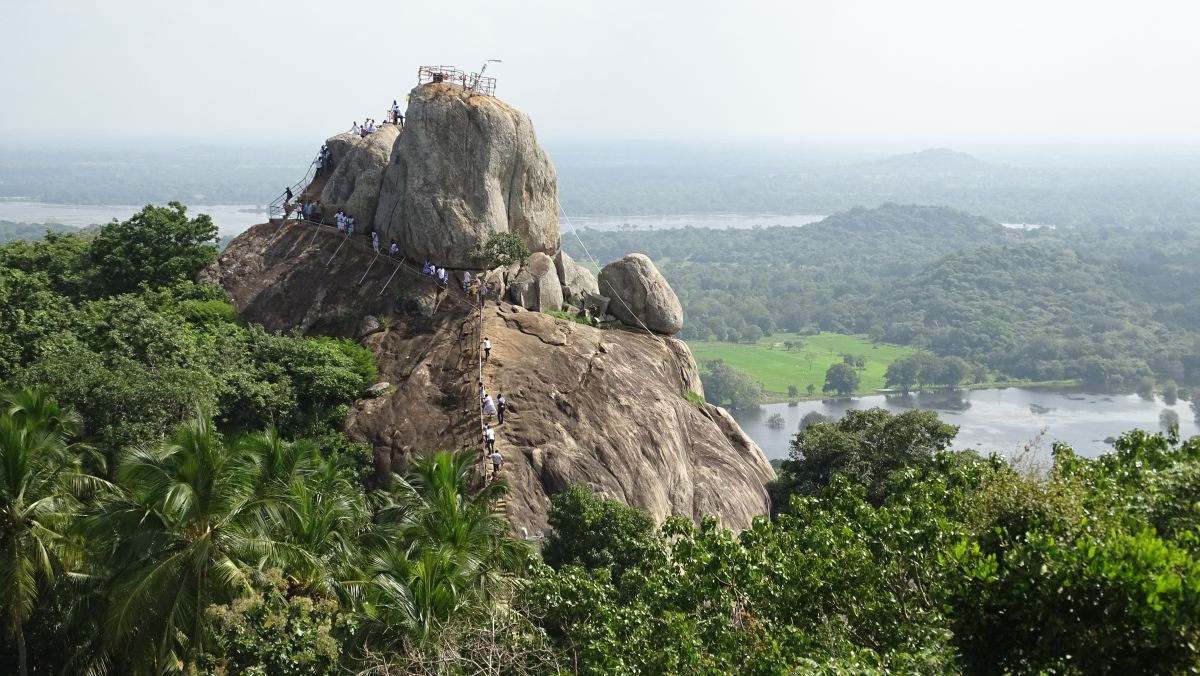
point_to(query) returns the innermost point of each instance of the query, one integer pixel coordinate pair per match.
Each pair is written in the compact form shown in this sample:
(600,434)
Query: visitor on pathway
(340,219)
(288,207)
(349,226)
(501,407)
(354,128)
(466,280)
(487,349)
(474,288)
(287,193)
(320,163)
(318,214)
(395,112)
(497,460)
(489,406)
(427,268)
(442,278)
(375,241)
(308,207)
(394,249)
(489,438)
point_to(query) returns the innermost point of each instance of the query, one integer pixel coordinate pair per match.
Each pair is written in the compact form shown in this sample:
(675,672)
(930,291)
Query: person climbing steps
(487,349)
(497,461)
(501,407)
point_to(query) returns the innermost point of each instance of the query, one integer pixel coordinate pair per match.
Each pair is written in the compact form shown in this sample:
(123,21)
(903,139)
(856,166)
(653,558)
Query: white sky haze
(852,71)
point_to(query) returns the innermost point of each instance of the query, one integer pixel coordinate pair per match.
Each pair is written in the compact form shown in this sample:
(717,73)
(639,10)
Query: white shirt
(487,344)
(490,434)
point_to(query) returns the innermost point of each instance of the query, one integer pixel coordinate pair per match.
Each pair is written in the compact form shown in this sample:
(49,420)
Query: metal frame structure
(475,83)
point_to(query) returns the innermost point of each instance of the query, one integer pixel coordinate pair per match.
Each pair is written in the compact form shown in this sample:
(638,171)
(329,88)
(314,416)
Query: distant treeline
(1108,306)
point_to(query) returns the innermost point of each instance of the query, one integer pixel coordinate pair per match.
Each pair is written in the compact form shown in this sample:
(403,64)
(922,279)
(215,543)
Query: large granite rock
(641,295)
(602,408)
(358,164)
(577,281)
(536,285)
(464,168)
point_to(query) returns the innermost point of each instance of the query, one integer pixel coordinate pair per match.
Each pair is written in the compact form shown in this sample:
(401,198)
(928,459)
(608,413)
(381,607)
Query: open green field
(769,363)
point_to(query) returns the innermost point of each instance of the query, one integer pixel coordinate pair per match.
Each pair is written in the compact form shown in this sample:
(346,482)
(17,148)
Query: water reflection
(1002,420)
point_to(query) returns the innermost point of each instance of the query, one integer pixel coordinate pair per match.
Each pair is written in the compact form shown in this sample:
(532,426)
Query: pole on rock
(389,279)
(360,279)
(335,251)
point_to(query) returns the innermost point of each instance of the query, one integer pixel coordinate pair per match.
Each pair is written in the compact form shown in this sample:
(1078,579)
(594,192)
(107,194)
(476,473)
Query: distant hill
(934,161)
(10,231)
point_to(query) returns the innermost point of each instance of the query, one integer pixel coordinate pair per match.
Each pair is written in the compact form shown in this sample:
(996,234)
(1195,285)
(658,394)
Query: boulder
(357,169)
(577,280)
(641,295)
(607,409)
(368,325)
(536,286)
(595,305)
(378,389)
(466,167)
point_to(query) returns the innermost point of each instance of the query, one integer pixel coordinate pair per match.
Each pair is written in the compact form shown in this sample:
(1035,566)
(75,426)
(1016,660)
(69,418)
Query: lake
(230,219)
(1002,420)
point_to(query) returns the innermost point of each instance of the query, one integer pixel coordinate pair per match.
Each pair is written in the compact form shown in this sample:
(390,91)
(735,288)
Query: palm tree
(40,479)
(186,532)
(440,552)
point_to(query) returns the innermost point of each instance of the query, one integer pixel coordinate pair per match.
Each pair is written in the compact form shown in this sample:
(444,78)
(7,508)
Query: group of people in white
(394,116)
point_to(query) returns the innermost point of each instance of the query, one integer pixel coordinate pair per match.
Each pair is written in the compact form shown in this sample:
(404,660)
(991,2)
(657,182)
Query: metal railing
(275,208)
(475,83)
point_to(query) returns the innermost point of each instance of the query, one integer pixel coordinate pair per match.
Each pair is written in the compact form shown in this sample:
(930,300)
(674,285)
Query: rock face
(466,167)
(577,281)
(536,286)
(602,408)
(641,295)
(358,165)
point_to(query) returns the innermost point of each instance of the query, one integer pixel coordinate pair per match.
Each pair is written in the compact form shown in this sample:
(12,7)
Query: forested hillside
(1108,306)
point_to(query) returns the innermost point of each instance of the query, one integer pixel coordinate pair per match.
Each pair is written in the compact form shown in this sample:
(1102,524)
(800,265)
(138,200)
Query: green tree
(158,246)
(866,447)
(188,529)
(501,250)
(40,481)
(954,370)
(448,553)
(842,379)
(723,383)
(793,391)
(902,373)
(598,533)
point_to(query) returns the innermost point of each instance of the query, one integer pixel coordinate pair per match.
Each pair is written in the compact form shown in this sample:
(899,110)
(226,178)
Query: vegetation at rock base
(175,496)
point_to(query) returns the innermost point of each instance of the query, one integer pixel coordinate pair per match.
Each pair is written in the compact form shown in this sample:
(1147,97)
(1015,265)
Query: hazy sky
(909,72)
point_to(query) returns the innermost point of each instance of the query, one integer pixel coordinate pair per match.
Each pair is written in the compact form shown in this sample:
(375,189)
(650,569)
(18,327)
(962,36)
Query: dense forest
(1108,306)
(176,496)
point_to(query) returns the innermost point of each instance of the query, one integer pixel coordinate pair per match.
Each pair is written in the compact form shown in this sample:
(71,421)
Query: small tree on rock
(501,250)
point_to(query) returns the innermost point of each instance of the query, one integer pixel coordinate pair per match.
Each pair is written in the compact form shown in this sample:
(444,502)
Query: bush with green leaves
(501,249)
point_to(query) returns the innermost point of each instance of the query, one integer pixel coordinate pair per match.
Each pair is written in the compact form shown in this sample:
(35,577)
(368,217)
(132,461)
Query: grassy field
(769,363)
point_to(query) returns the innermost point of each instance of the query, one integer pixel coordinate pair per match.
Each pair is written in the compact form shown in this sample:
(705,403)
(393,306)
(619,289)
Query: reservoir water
(1001,420)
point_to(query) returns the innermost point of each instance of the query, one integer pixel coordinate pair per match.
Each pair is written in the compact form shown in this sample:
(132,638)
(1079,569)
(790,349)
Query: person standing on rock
(394,249)
(501,407)
(489,438)
(349,226)
(489,406)
(497,461)
(318,214)
(466,280)
(487,349)
(375,241)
